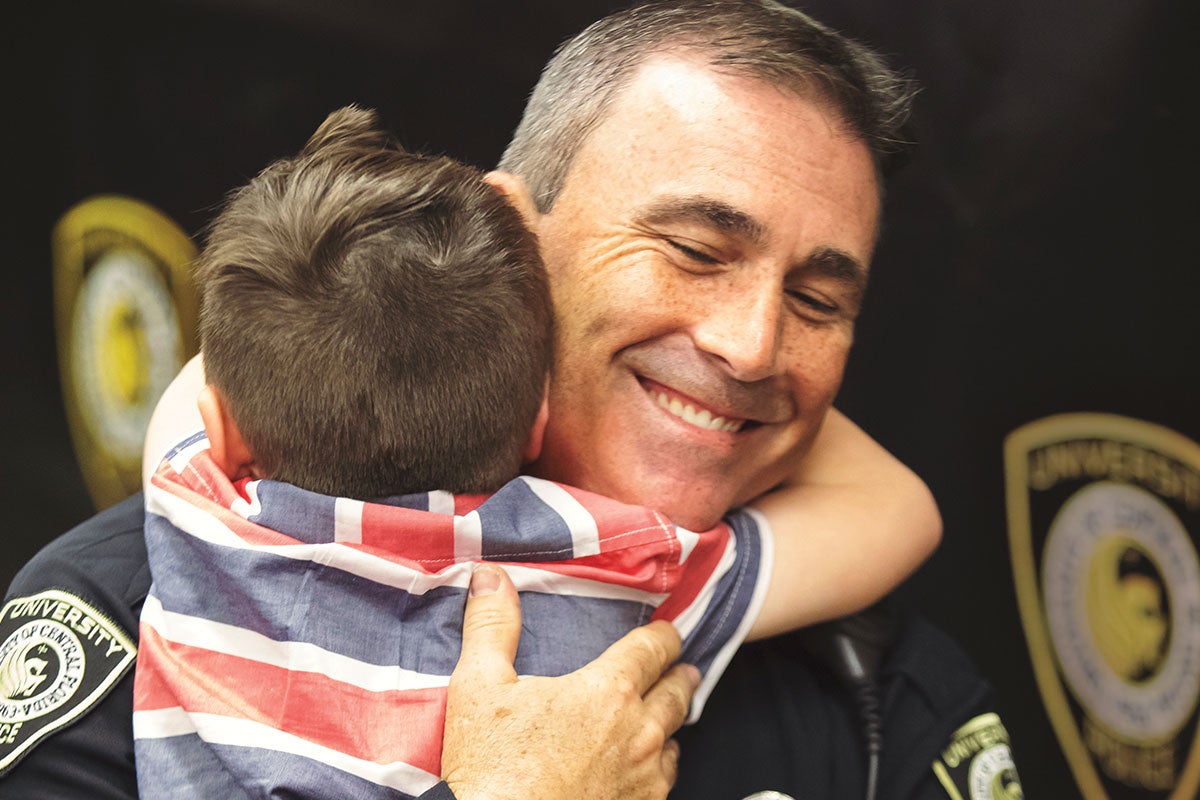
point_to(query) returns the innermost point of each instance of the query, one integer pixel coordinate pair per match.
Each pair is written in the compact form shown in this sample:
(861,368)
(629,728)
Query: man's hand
(600,733)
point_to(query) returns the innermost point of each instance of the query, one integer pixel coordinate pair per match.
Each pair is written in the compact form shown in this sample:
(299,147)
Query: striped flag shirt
(300,645)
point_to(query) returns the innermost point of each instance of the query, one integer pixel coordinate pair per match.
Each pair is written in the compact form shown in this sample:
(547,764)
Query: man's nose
(743,330)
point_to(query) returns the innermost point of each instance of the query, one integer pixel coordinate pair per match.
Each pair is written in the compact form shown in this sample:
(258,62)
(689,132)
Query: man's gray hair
(760,39)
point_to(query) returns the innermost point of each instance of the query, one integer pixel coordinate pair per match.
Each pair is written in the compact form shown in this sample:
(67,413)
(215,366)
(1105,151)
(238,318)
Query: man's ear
(517,193)
(226,446)
(534,448)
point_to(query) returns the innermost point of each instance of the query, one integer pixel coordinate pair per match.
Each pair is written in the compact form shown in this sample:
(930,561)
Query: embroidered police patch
(58,657)
(1104,529)
(978,764)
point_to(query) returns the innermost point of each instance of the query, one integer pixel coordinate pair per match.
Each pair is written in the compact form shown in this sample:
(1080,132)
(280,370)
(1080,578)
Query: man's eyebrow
(704,211)
(838,265)
(828,261)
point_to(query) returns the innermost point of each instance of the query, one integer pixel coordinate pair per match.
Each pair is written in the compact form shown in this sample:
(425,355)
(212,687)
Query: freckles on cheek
(817,363)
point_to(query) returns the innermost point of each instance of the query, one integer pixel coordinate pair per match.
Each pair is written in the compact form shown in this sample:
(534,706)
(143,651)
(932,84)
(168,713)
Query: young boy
(376,324)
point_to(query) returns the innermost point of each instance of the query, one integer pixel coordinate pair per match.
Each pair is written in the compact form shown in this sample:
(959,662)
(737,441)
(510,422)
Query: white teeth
(701,419)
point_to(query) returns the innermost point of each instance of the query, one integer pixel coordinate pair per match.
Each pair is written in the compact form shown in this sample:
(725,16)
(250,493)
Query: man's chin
(696,522)
(694,499)
(687,510)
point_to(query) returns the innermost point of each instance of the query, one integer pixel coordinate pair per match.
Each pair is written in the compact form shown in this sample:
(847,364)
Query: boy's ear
(534,448)
(226,446)
(517,193)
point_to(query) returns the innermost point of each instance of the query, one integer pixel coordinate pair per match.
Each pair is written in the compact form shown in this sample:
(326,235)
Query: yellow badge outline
(1017,446)
(168,245)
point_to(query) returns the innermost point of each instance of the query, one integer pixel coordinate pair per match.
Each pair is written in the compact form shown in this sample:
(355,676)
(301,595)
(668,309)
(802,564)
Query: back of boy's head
(377,321)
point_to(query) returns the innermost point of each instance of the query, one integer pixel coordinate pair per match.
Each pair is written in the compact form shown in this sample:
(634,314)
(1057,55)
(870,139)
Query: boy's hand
(601,732)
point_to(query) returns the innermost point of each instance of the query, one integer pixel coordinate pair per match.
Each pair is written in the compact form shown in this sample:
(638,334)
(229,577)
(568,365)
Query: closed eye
(692,253)
(814,303)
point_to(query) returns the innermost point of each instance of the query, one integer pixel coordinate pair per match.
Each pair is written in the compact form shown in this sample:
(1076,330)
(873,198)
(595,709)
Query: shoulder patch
(978,763)
(58,657)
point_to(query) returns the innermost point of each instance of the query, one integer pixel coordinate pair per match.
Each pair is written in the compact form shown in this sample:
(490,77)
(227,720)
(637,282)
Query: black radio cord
(851,648)
(866,697)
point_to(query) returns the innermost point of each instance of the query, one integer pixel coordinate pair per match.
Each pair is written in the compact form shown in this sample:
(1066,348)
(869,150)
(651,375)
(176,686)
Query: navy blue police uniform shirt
(775,721)
(84,746)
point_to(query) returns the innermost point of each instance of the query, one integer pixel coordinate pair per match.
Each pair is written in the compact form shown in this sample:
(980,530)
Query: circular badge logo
(127,349)
(1121,580)
(993,775)
(41,667)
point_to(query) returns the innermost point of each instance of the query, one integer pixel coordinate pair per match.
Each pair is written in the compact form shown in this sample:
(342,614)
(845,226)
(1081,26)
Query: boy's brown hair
(377,321)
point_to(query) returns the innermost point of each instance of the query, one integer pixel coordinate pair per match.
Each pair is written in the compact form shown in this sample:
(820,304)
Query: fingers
(668,700)
(491,625)
(670,761)
(641,655)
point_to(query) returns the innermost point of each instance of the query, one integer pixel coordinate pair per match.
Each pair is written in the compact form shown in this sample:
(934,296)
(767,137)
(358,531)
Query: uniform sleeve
(84,592)
(940,718)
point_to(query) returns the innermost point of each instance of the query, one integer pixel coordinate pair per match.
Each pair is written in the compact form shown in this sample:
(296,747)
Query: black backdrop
(1035,259)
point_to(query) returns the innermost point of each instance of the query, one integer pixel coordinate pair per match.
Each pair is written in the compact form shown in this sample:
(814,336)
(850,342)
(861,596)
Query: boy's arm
(849,527)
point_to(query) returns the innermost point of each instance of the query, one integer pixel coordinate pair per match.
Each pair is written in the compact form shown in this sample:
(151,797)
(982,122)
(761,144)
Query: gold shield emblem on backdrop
(125,317)
(1104,519)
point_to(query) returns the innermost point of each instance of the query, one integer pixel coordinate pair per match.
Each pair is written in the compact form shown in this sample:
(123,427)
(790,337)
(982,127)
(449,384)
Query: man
(709,181)
(707,217)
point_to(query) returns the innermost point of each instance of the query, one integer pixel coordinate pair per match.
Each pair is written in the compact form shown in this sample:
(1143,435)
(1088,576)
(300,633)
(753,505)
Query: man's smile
(686,384)
(691,410)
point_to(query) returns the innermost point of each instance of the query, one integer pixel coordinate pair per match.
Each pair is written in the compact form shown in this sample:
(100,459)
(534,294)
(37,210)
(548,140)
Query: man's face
(707,257)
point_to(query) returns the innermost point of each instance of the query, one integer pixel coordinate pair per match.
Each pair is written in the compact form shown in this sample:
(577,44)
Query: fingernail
(485,579)
(693,674)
